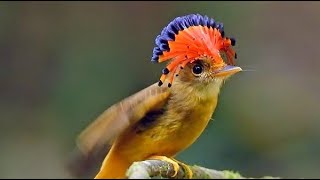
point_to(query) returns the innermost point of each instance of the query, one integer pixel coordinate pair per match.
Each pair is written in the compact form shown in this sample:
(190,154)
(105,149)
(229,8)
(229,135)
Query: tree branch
(161,169)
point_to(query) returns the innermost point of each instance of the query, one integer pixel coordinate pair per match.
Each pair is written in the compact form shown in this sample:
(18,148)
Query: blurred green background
(63,63)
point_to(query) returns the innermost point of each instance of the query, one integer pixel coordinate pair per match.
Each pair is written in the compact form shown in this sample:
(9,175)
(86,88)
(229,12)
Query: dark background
(63,63)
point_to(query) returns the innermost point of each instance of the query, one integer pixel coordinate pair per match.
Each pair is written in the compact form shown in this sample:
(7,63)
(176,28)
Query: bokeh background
(63,63)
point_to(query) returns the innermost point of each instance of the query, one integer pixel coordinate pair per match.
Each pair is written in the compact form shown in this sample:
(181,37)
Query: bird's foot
(176,165)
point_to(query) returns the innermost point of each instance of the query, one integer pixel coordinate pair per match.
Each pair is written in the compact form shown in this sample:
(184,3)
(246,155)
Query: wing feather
(95,141)
(120,116)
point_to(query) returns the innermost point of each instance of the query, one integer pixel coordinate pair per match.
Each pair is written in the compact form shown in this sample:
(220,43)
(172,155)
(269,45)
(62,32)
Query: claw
(175,164)
(187,169)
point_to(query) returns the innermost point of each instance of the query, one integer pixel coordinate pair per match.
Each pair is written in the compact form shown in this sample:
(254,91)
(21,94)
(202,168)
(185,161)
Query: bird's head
(195,47)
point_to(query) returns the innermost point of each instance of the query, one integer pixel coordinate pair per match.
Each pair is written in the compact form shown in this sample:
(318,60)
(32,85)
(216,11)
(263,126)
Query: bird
(168,116)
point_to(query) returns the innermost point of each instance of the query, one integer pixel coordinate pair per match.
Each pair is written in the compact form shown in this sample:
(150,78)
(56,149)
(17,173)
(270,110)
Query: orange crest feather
(189,38)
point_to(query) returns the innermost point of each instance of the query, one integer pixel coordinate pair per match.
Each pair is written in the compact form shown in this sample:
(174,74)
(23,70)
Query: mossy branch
(161,169)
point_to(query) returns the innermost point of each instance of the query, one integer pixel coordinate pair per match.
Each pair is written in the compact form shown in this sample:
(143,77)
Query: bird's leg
(176,165)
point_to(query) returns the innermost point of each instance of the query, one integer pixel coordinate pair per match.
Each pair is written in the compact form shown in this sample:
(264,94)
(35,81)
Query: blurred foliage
(63,63)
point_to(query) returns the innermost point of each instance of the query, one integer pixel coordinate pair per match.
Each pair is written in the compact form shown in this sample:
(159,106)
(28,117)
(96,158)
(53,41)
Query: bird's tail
(113,167)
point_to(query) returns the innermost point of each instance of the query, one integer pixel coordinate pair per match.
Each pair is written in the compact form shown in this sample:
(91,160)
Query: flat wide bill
(228,70)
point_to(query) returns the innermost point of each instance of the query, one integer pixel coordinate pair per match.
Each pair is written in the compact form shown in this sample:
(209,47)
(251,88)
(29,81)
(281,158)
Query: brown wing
(101,132)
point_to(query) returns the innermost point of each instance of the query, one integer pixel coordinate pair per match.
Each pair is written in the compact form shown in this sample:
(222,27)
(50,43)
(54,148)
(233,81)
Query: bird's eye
(197,69)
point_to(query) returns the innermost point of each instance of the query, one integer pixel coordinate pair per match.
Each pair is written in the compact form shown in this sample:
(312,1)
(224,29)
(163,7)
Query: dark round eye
(197,69)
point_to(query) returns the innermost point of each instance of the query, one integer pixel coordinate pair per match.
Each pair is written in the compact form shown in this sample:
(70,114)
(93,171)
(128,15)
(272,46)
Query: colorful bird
(160,121)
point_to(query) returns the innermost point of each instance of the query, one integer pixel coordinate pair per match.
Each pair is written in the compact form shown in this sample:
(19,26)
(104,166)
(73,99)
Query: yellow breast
(182,125)
(187,113)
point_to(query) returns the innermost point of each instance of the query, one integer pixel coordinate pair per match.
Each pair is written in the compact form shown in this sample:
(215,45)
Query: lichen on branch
(162,169)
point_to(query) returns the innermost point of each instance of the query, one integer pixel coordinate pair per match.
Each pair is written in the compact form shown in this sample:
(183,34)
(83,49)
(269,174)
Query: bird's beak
(227,70)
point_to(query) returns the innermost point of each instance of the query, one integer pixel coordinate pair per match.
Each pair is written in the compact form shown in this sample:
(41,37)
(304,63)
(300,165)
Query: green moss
(231,175)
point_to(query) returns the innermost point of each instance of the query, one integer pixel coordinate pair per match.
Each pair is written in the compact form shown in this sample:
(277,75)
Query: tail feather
(80,165)
(113,167)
